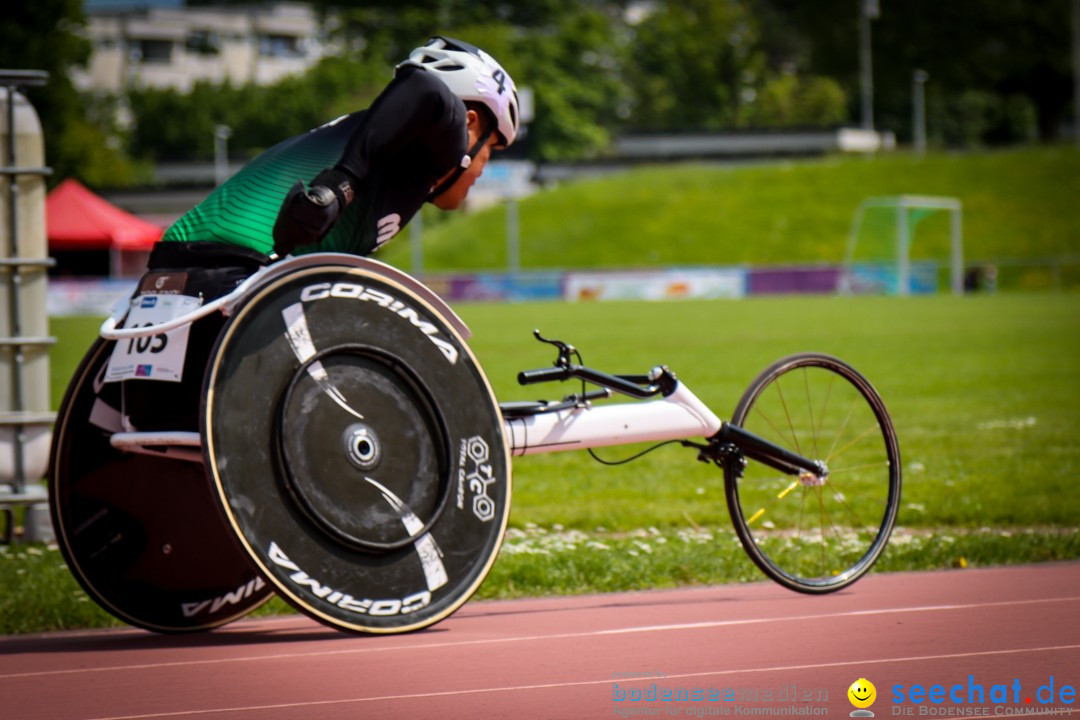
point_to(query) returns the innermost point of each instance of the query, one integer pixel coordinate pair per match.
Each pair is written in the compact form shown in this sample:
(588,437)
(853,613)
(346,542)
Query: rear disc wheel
(356,449)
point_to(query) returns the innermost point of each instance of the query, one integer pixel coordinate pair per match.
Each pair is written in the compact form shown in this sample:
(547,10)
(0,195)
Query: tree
(43,35)
(702,64)
(690,62)
(173,125)
(1004,50)
(787,100)
(574,67)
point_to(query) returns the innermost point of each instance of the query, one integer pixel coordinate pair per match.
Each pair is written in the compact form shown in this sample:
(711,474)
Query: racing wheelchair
(348,453)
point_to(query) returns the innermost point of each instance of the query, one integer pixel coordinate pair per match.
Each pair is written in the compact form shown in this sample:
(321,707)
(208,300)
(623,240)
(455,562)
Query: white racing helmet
(472,74)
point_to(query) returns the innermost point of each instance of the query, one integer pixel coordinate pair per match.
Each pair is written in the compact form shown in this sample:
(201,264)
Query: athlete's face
(454,196)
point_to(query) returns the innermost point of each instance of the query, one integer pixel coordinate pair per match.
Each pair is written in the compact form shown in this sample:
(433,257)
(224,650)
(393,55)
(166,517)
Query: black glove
(307,215)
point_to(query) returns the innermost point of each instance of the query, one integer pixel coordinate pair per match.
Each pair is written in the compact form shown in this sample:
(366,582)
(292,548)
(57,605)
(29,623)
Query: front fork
(732,441)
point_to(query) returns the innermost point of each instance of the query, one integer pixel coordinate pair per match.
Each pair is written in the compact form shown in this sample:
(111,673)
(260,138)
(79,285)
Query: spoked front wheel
(812,533)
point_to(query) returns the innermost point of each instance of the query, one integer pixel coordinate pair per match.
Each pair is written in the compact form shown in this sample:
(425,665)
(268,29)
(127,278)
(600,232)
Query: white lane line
(583,683)
(851,613)
(534,638)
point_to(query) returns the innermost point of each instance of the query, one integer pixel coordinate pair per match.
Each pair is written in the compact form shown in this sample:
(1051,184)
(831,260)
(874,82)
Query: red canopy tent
(77,219)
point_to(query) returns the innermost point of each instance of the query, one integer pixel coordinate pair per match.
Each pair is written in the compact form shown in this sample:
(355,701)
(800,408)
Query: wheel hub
(362,446)
(809,479)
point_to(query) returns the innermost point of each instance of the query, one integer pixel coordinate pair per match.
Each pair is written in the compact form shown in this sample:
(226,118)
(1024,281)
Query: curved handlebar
(660,382)
(528,377)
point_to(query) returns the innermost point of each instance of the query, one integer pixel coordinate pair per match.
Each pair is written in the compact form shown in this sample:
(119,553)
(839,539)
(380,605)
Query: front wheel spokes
(810,407)
(826,542)
(837,471)
(780,435)
(843,427)
(819,428)
(858,522)
(787,414)
(860,436)
(761,513)
(838,492)
(760,519)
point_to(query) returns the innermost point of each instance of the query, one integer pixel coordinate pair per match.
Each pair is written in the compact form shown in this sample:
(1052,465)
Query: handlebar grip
(528,377)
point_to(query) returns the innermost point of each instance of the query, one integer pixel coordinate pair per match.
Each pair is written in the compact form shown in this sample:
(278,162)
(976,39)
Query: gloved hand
(307,215)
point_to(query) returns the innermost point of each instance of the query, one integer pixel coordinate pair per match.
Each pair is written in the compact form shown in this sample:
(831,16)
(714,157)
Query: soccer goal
(898,278)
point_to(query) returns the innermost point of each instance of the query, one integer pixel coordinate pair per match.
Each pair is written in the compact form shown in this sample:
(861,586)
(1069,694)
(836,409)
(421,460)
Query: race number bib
(153,357)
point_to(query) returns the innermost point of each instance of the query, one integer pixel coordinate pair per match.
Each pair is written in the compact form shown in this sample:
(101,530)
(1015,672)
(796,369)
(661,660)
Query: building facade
(177,47)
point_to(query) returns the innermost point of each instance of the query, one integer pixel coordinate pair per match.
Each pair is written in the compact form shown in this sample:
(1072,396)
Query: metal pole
(918,123)
(222,133)
(13,223)
(868,10)
(1076,69)
(845,286)
(956,231)
(513,237)
(416,240)
(903,250)
(15,312)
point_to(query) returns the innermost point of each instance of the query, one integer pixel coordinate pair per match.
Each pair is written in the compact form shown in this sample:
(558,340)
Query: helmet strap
(466,161)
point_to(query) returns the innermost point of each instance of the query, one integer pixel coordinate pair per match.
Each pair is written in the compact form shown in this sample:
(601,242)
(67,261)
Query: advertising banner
(674,284)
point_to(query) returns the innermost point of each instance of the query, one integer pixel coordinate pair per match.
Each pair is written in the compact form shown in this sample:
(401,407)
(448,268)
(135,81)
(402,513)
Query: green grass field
(1017,205)
(983,392)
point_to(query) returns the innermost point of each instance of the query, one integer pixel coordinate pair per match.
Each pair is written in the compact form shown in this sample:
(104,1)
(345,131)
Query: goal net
(879,256)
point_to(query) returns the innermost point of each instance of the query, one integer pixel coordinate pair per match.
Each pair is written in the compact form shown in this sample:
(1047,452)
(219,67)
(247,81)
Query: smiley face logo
(862,693)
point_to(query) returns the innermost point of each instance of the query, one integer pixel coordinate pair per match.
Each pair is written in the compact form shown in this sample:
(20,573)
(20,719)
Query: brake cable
(646,451)
(571,350)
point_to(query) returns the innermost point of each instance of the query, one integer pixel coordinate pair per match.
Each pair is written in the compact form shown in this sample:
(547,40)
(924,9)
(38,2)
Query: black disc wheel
(331,455)
(809,532)
(357,449)
(142,534)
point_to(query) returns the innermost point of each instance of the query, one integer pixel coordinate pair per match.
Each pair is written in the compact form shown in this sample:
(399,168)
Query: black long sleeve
(414,108)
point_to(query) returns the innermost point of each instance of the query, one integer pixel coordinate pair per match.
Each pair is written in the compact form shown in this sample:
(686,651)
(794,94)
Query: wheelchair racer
(426,137)
(348,186)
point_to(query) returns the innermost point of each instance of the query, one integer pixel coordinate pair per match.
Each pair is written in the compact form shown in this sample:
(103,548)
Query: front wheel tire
(812,534)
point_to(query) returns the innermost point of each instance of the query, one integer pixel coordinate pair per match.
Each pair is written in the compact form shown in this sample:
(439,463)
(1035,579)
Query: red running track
(736,650)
